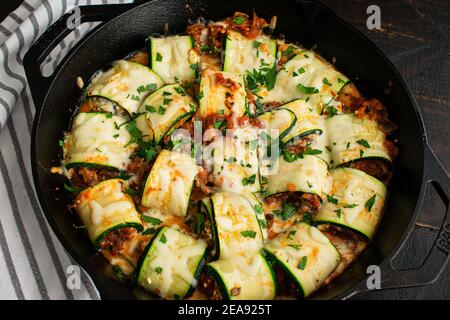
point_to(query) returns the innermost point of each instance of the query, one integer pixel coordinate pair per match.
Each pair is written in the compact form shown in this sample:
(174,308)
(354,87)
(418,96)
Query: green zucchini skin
(137,226)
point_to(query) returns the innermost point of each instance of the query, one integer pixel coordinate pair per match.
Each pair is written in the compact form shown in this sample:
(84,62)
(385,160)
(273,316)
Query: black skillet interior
(305,22)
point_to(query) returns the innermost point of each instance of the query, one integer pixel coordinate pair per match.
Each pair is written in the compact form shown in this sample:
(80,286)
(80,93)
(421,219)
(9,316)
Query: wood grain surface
(415,36)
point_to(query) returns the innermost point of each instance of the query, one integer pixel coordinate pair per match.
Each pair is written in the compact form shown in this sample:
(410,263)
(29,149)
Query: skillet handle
(39,84)
(439,255)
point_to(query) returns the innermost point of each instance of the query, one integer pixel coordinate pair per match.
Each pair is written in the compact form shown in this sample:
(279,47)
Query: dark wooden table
(415,36)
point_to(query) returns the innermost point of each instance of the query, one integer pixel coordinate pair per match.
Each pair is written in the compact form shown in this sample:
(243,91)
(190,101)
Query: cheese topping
(170,58)
(163,110)
(106,206)
(243,54)
(98,138)
(125,83)
(298,242)
(169,183)
(170,266)
(354,191)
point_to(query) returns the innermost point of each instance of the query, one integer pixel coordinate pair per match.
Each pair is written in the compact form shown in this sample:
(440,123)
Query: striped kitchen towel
(33,263)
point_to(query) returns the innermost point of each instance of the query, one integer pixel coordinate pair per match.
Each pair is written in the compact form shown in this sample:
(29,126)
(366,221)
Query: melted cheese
(235,218)
(308,119)
(353,188)
(310,71)
(169,268)
(309,175)
(303,240)
(344,132)
(105,206)
(280,121)
(94,138)
(173,53)
(246,278)
(169,183)
(234,164)
(121,82)
(242,55)
(213,95)
(162,110)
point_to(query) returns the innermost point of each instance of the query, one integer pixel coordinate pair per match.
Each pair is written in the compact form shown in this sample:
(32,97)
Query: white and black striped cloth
(33,263)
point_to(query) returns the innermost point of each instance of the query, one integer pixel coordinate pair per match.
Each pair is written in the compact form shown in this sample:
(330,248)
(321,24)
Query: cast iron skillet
(310,23)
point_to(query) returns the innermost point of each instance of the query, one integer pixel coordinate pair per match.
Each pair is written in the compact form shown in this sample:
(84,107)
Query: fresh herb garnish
(249,180)
(238,20)
(163,238)
(151,220)
(332,111)
(326,81)
(289,50)
(332,199)
(158,270)
(338,212)
(256,44)
(302,263)
(150,109)
(248,233)
(370,202)
(363,142)
(307,90)
(158,57)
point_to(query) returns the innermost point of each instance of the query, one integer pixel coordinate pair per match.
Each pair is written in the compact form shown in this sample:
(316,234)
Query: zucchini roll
(98,139)
(244,279)
(169,183)
(352,138)
(171,58)
(308,174)
(126,83)
(222,93)
(243,54)
(235,225)
(307,76)
(106,207)
(171,264)
(356,200)
(306,256)
(163,111)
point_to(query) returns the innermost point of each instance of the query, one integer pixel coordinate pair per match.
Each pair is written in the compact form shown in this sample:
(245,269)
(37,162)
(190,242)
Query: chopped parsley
(326,81)
(158,270)
(370,202)
(332,199)
(161,110)
(148,87)
(151,220)
(295,246)
(256,44)
(163,239)
(338,212)
(302,263)
(219,124)
(288,51)
(363,142)
(158,57)
(332,111)
(248,233)
(238,20)
(150,109)
(307,90)
(249,180)
(135,97)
